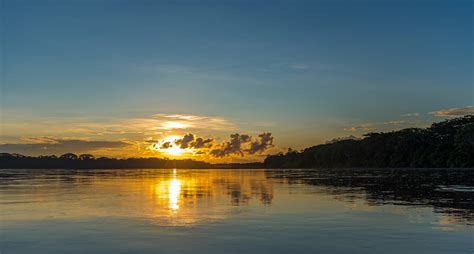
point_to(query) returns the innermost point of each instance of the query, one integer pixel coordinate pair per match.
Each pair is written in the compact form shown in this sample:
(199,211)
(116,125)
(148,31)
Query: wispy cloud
(394,122)
(361,127)
(49,145)
(114,127)
(59,135)
(410,115)
(299,66)
(177,121)
(454,112)
(387,125)
(191,73)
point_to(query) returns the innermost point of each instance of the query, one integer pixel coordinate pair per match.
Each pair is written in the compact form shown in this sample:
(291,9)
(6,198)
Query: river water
(236,211)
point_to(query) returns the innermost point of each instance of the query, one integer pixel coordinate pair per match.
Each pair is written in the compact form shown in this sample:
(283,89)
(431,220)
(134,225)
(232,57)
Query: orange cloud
(454,112)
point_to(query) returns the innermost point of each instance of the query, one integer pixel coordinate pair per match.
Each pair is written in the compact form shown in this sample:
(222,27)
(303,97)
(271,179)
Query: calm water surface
(236,211)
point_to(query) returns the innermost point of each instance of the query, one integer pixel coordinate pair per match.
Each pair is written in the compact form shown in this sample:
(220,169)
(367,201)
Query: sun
(174,151)
(168,146)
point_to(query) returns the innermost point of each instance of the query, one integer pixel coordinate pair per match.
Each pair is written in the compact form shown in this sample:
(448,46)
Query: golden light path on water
(183,197)
(174,190)
(177,197)
(170,190)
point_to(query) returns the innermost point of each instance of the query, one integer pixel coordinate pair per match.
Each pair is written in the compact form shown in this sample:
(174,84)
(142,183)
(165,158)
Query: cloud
(242,144)
(178,121)
(166,145)
(299,66)
(454,112)
(394,122)
(192,74)
(48,145)
(264,142)
(361,127)
(115,128)
(373,126)
(185,141)
(41,140)
(234,146)
(410,115)
(191,141)
(202,143)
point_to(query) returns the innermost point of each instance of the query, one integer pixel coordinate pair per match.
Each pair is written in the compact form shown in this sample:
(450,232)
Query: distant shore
(72,161)
(447,144)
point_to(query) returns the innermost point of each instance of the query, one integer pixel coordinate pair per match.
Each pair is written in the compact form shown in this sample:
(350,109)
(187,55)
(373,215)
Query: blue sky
(305,71)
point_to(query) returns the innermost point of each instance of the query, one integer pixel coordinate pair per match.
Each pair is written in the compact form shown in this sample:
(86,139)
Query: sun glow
(174,125)
(168,146)
(174,151)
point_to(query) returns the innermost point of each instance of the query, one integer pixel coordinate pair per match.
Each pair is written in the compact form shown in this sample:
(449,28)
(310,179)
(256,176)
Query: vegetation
(87,161)
(448,191)
(446,144)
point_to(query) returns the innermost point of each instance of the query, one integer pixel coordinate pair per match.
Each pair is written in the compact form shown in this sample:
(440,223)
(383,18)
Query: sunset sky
(226,80)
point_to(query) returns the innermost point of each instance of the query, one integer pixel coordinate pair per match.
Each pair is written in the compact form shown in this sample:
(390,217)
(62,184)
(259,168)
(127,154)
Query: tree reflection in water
(189,197)
(448,191)
(168,197)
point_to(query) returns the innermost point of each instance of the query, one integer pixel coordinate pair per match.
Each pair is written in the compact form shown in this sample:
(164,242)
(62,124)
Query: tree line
(88,161)
(447,144)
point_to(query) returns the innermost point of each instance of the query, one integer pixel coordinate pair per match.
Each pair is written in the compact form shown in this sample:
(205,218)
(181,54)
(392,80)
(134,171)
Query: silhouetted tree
(446,144)
(86,157)
(68,156)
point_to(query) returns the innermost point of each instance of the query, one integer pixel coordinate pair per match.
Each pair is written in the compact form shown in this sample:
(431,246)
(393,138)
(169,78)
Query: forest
(88,161)
(447,144)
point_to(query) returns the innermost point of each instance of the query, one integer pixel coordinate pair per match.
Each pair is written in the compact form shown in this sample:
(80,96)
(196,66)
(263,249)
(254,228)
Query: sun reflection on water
(183,197)
(174,190)
(179,197)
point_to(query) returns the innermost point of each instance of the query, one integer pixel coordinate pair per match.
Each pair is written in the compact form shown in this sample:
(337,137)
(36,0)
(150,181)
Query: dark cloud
(186,141)
(59,146)
(264,141)
(190,141)
(166,145)
(202,143)
(234,146)
(239,144)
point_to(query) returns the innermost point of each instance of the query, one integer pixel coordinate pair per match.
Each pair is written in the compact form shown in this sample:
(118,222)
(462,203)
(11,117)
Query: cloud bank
(361,127)
(238,145)
(48,145)
(234,146)
(191,141)
(454,112)
(410,115)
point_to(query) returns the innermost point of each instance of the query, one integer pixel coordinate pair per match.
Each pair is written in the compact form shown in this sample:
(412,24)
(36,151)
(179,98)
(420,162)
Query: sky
(160,78)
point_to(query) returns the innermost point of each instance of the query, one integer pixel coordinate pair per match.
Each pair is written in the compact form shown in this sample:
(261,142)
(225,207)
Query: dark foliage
(88,161)
(448,191)
(447,144)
